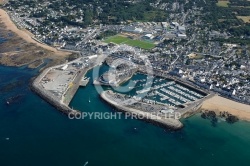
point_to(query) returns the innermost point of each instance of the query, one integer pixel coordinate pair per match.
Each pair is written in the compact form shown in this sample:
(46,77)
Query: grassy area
(246,19)
(152,15)
(222,3)
(116,39)
(124,40)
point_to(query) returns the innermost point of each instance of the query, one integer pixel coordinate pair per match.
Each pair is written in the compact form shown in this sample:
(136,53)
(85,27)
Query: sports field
(124,40)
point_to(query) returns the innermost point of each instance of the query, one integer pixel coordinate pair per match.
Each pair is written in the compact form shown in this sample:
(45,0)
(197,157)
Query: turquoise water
(39,135)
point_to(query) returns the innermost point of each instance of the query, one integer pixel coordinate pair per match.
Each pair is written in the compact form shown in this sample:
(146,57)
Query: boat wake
(86,163)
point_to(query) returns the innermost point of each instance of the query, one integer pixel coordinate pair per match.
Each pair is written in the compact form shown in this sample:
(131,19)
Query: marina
(152,93)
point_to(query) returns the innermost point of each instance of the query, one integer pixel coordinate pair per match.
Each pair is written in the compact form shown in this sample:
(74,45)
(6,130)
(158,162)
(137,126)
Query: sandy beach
(219,104)
(27,36)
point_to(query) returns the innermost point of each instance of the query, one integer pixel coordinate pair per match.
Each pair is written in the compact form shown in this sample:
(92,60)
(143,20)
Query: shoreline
(216,103)
(26,35)
(220,104)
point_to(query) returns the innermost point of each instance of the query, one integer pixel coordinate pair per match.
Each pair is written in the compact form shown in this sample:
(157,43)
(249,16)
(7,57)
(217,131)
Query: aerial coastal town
(124,82)
(182,47)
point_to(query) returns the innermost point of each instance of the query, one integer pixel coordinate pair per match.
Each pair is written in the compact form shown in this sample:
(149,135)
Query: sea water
(33,133)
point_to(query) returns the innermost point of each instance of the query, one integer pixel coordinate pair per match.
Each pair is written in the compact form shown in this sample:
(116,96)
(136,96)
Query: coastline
(26,35)
(216,103)
(220,104)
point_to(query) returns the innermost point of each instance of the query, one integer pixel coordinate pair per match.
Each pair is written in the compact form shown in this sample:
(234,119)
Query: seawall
(169,123)
(49,97)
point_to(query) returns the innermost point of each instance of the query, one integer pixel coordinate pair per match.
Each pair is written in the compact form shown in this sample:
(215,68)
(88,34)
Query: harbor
(147,94)
(39,121)
(163,97)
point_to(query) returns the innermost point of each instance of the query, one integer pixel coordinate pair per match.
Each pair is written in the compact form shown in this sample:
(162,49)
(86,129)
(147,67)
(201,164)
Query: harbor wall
(169,123)
(49,97)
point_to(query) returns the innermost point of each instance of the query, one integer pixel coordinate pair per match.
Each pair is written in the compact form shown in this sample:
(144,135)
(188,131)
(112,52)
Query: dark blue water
(39,135)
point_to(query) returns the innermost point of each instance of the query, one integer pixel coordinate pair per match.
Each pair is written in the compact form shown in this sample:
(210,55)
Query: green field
(222,3)
(124,40)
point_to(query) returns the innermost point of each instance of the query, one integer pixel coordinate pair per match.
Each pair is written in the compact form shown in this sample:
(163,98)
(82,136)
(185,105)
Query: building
(64,67)
(132,29)
(181,35)
(182,29)
(148,37)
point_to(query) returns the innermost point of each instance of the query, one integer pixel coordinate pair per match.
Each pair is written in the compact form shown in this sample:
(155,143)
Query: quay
(178,80)
(58,84)
(70,93)
(48,96)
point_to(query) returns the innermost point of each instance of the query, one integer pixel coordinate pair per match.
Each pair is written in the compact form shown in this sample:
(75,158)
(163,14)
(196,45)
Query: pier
(48,96)
(58,84)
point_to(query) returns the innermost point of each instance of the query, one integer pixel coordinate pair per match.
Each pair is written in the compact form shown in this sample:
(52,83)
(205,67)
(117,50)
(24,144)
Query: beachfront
(26,35)
(221,104)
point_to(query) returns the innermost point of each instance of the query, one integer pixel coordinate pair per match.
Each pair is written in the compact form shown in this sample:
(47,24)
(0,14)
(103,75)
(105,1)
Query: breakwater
(48,96)
(169,123)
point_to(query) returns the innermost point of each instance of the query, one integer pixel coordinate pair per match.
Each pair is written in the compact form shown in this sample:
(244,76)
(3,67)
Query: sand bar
(220,104)
(27,36)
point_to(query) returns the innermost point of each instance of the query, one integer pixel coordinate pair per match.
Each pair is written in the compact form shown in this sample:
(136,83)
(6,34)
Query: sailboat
(89,100)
